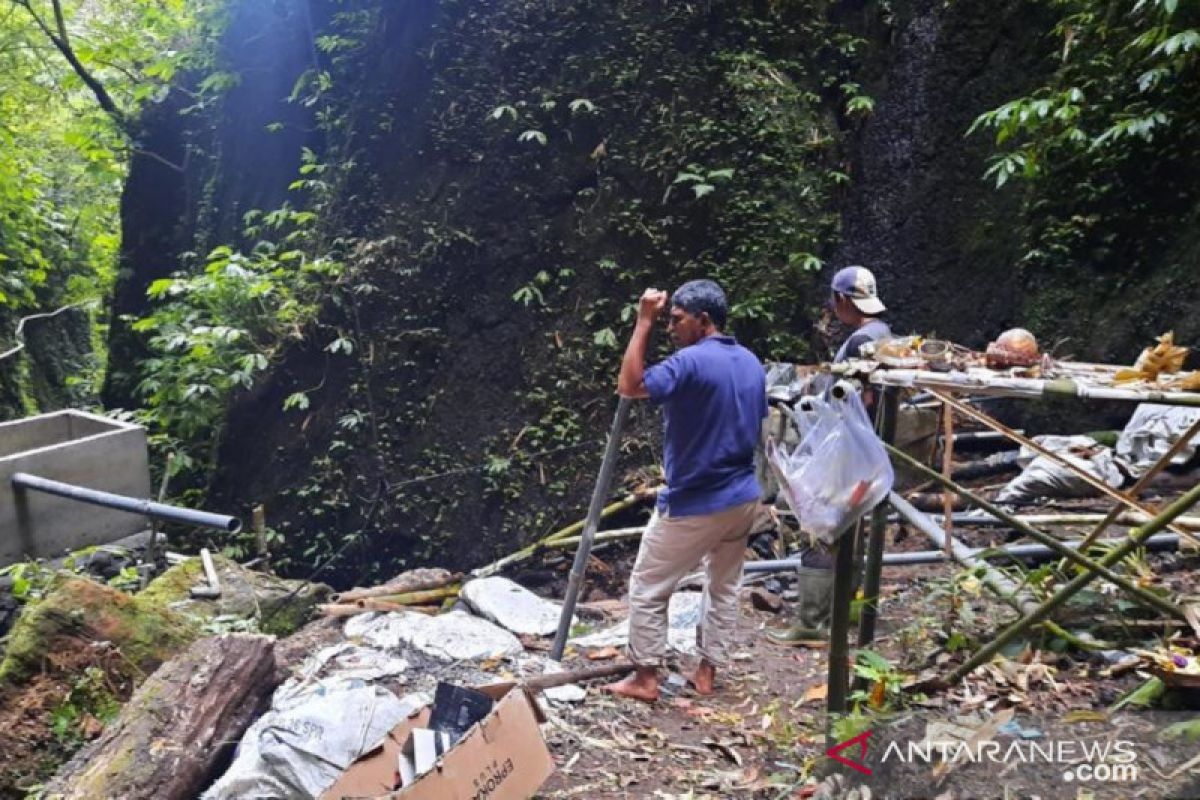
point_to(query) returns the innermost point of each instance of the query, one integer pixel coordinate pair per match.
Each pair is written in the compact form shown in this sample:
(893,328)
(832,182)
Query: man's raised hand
(652,304)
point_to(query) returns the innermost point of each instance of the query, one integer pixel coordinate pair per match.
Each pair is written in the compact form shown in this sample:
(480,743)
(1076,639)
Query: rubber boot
(810,617)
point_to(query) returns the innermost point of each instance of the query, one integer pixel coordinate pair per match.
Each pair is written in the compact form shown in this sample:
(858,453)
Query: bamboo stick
(947,470)
(410,598)
(419,580)
(1082,474)
(615,535)
(1144,481)
(573,528)
(595,510)
(1135,540)
(1078,558)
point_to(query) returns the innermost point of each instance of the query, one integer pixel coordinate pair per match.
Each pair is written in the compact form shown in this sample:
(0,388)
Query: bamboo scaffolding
(1081,473)
(1135,540)
(1078,558)
(998,582)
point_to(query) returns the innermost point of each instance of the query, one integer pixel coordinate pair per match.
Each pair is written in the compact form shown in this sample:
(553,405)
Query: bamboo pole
(1082,474)
(572,529)
(1078,558)
(874,569)
(615,535)
(1144,481)
(947,470)
(995,580)
(1135,540)
(838,682)
(419,580)
(1000,386)
(584,551)
(1128,518)
(412,598)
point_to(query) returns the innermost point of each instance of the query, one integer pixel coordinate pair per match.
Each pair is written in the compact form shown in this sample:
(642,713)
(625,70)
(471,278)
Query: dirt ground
(763,734)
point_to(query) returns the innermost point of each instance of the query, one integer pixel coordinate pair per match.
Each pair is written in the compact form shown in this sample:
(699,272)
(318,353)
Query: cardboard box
(503,757)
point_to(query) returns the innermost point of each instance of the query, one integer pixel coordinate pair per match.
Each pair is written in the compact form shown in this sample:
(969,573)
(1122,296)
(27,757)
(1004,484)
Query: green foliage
(1128,74)
(91,695)
(212,333)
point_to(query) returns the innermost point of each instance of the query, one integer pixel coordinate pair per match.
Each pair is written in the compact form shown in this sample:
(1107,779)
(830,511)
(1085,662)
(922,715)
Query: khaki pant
(671,548)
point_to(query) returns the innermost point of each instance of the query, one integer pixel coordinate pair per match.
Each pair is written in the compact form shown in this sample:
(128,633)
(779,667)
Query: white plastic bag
(838,472)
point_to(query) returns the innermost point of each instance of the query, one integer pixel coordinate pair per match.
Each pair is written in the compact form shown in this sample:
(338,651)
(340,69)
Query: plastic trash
(457,636)
(307,740)
(1151,431)
(840,469)
(1044,477)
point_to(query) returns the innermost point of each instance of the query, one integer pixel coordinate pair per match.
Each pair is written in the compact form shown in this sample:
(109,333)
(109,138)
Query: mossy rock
(280,605)
(77,613)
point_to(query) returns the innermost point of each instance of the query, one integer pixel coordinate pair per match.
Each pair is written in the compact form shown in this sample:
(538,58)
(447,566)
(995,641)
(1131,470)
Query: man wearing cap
(713,395)
(856,303)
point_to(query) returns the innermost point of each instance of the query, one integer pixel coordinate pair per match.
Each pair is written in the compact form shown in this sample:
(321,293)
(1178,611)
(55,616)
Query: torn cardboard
(503,757)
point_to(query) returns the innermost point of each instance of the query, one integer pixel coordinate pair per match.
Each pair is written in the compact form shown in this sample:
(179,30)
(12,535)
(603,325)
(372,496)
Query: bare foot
(703,678)
(641,685)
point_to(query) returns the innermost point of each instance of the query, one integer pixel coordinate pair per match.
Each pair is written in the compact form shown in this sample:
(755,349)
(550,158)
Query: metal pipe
(1025,552)
(584,551)
(134,505)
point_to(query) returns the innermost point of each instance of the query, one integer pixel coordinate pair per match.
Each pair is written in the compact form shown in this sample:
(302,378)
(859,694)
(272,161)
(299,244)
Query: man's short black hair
(705,296)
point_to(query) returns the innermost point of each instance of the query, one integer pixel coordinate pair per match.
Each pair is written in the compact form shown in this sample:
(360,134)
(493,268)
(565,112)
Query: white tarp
(308,739)
(1044,477)
(1151,431)
(457,636)
(512,606)
(684,613)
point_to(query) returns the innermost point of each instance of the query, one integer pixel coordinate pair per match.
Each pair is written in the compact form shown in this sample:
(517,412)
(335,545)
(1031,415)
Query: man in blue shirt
(713,395)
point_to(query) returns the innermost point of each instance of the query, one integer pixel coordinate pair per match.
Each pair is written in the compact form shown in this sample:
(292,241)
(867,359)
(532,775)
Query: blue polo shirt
(713,396)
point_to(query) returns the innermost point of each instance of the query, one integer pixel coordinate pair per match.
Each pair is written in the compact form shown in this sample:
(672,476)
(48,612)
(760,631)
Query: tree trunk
(179,726)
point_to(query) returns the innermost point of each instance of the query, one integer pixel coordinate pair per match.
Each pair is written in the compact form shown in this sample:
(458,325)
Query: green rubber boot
(812,611)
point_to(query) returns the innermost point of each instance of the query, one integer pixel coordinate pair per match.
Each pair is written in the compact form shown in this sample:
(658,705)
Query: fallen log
(416,580)
(178,727)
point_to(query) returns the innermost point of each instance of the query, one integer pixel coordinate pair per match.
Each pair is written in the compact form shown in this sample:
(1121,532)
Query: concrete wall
(73,447)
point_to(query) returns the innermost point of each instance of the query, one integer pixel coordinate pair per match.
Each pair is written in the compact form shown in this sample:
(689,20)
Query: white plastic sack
(512,606)
(298,749)
(684,612)
(1043,477)
(839,471)
(1151,432)
(456,636)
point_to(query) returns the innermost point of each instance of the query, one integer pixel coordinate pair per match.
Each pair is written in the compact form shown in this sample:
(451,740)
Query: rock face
(508,177)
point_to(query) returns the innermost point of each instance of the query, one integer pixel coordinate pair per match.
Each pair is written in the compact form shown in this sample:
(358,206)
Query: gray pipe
(599,493)
(133,505)
(1026,552)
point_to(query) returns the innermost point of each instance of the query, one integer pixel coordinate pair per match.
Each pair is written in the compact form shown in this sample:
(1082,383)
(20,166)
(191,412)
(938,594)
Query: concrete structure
(74,447)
